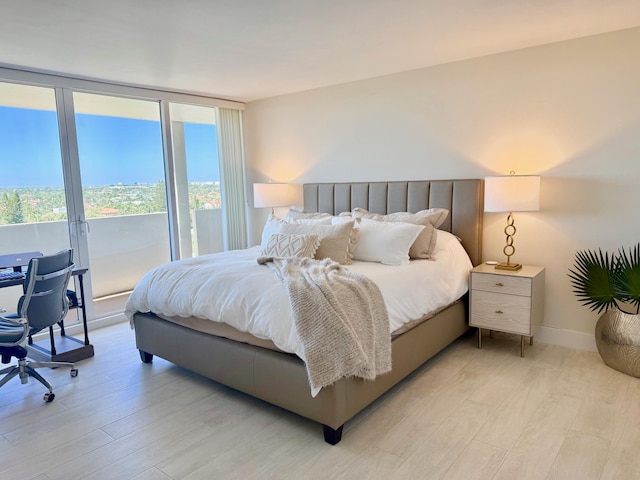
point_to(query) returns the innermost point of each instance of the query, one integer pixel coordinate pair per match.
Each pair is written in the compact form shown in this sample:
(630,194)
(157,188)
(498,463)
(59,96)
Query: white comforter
(231,287)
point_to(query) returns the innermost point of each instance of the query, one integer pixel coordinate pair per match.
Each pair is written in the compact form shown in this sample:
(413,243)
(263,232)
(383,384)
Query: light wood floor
(466,414)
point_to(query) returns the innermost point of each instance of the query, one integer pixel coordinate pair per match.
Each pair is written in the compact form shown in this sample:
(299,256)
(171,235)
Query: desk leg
(84,311)
(53,343)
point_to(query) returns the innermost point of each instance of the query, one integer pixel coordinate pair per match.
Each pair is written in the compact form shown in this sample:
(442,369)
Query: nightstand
(507,301)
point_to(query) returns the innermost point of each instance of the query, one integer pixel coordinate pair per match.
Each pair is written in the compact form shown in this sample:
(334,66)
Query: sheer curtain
(234,218)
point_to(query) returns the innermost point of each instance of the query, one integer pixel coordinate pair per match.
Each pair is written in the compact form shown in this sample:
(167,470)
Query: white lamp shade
(512,193)
(270,195)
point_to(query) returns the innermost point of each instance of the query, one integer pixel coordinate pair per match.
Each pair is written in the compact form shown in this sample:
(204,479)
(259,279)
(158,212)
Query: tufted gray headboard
(463,198)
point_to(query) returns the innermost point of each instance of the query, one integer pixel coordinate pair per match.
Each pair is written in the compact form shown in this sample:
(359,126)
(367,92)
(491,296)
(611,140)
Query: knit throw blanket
(340,318)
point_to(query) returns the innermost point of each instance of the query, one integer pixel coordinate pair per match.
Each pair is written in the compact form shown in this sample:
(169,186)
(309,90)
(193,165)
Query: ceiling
(250,49)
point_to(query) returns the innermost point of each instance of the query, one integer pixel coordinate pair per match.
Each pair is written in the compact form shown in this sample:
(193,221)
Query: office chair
(43,304)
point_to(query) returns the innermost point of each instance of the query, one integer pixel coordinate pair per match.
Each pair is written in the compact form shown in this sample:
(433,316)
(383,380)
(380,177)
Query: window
(197,178)
(129,177)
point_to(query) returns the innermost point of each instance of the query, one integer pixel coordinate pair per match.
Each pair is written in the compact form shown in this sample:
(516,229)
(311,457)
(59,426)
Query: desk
(65,348)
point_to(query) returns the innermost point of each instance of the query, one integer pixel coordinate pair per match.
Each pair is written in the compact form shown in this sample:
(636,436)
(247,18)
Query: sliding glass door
(121,163)
(33,207)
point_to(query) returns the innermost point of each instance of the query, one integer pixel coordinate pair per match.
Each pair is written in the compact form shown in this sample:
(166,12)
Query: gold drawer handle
(499,311)
(499,284)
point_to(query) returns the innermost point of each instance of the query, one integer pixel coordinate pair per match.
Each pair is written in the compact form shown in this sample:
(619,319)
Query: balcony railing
(121,248)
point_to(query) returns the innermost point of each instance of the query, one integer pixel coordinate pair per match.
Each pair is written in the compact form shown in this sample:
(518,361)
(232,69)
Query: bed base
(281,379)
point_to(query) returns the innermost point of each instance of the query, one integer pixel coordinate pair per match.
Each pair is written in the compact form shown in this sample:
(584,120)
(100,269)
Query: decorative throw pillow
(281,245)
(273,223)
(385,242)
(431,219)
(337,242)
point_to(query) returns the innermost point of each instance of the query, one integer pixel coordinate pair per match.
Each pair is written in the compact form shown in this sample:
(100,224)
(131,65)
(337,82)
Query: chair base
(25,369)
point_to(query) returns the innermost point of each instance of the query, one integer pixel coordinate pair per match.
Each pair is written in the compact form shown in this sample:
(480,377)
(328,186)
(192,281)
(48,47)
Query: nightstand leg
(522,345)
(531,341)
(479,337)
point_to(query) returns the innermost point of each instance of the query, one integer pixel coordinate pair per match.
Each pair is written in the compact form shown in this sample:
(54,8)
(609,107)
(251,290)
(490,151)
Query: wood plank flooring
(466,414)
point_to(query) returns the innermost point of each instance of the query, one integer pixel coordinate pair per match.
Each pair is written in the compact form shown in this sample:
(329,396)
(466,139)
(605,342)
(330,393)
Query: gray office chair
(43,304)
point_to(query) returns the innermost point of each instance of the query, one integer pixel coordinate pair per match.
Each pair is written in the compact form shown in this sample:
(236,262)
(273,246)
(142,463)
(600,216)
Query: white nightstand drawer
(489,282)
(491,310)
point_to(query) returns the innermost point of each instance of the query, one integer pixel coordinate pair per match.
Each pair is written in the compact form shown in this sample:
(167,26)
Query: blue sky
(112,150)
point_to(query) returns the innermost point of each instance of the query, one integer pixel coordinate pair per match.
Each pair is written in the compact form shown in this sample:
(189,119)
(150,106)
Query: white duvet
(231,287)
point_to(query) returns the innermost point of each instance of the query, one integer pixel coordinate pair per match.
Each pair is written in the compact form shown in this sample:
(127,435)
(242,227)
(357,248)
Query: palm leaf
(627,283)
(593,279)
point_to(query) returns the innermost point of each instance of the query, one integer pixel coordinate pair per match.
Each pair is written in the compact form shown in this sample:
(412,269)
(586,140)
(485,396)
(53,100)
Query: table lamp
(512,193)
(271,195)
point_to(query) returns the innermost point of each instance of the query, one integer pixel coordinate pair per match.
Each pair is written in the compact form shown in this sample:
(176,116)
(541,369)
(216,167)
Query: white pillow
(385,242)
(295,213)
(270,227)
(431,218)
(435,216)
(338,220)
(309,221)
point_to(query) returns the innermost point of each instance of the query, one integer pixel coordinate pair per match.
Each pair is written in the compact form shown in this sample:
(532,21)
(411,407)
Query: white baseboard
(566,338)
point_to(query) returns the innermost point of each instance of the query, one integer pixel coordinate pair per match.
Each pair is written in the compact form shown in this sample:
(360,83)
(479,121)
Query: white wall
(569,111)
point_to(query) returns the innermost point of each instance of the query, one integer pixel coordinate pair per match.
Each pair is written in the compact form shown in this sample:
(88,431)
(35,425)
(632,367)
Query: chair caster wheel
(48,397)
(74,372)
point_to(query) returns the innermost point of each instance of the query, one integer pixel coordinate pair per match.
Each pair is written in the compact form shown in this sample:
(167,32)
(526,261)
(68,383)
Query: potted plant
(610,284)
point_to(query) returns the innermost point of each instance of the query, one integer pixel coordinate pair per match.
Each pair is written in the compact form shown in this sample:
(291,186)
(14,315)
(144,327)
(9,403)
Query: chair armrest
(18,322)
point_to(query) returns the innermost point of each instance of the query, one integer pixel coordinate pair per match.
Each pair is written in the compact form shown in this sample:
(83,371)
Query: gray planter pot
(618,341)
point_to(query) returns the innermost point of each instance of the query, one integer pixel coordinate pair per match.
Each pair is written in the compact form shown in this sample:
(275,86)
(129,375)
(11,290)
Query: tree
(4,200)
(159,198)
(14,213)
(11,208)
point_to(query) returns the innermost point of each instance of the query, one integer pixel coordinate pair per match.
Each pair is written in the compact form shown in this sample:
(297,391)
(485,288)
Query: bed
(281,378)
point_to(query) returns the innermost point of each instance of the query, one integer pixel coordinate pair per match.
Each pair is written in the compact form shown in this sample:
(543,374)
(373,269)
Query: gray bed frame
(280,378)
